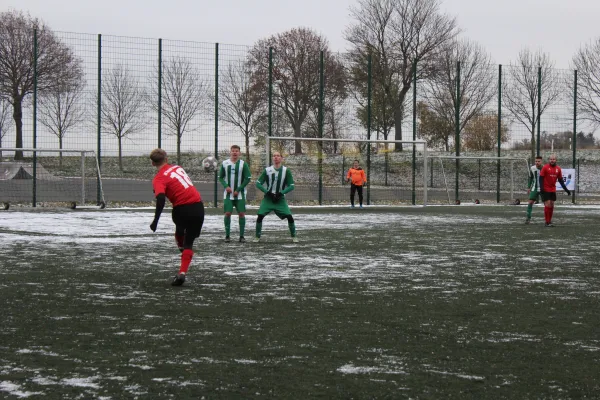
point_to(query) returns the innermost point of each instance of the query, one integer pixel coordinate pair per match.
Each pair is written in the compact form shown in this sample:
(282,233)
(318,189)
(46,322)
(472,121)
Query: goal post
(480,177)
(51,175)
(319,171)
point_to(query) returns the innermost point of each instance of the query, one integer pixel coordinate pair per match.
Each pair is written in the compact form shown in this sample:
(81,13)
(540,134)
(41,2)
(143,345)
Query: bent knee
(228,214)
(242,215)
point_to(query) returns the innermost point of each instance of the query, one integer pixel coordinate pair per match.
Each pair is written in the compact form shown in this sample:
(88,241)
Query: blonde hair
(158,156)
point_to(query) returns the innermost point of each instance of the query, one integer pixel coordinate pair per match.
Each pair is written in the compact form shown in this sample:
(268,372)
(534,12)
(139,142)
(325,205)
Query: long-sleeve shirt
(357,176)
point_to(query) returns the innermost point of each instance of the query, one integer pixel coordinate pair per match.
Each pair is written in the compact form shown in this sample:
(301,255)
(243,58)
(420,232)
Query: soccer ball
(209,164)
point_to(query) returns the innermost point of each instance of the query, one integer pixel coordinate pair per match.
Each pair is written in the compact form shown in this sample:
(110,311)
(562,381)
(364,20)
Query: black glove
(568,192)
(270,195)
(278,196)
(153,225)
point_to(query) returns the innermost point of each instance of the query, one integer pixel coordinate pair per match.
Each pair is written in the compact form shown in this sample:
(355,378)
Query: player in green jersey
(533,186)
(275,181)
(234,175)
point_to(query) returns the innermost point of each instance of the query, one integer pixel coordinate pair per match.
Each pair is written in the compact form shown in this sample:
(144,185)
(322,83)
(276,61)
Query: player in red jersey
(171,182)
(549,175)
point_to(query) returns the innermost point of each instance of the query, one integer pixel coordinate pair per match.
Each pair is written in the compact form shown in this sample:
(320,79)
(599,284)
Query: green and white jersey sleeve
(534,179)
(236,176)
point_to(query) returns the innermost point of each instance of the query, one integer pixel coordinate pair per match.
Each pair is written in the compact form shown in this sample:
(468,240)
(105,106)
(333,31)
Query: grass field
(459,302)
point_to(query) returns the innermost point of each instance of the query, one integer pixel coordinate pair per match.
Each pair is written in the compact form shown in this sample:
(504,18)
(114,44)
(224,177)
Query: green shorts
(240,205)
(280,208)
(534,195)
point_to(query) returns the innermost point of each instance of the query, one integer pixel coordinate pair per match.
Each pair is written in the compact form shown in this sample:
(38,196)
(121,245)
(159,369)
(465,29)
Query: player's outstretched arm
(562,183)
(160,205)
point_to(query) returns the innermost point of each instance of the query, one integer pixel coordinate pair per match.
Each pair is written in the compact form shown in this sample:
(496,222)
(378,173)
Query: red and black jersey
(550,175)
(176,185)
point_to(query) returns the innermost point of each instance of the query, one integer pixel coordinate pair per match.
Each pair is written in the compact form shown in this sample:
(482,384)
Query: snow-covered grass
(383,302)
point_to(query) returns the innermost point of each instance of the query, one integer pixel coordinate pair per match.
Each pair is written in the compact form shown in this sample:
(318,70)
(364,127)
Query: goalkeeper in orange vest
(357,178)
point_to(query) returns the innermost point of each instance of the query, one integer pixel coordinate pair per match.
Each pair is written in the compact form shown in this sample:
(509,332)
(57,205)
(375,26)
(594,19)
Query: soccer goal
(477,178)
(320,166)
(50,176)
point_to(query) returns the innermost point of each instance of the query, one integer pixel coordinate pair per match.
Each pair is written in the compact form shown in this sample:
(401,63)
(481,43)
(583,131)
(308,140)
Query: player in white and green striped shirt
(234,175)
(533,188)
(275,181)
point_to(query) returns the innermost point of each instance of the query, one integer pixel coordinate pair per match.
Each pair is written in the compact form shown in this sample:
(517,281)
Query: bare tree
(521,96)
(587,63)
(335,112)
(482,133)
(184,95)
(56,64)
(296,67)
(61,109)
(372,36)
(335,121)
(242,102)
(477,84)
(400,33)
(122,105)
(384,93)
(5,121)
(435,130)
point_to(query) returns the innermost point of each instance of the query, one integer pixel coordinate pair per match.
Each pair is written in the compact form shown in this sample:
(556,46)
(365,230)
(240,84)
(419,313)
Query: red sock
(550,212)
(179,240)
(186,260)
(546,213)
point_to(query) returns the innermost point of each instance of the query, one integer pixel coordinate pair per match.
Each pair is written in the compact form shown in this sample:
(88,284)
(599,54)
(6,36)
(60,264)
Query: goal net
(321,167)
(477,178)
(50,176)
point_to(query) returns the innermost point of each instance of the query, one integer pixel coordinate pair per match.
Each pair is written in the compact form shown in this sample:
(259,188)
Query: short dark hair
(235,146)
(158,156)
(356,161)
(539,158)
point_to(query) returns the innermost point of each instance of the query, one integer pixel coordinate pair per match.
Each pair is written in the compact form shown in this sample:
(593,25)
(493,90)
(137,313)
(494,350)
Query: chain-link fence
(121,97)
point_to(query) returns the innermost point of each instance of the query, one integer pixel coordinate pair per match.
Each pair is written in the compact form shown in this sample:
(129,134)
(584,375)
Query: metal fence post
(35,85)
(414,128)
(321,119)
(99,121)
(270,100)
(499,132)
(159,93)
(574,142)
(216,120)
(369,90)
(539,111)
(457,128)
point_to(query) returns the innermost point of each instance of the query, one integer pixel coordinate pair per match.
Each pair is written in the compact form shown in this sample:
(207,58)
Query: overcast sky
(502,27)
